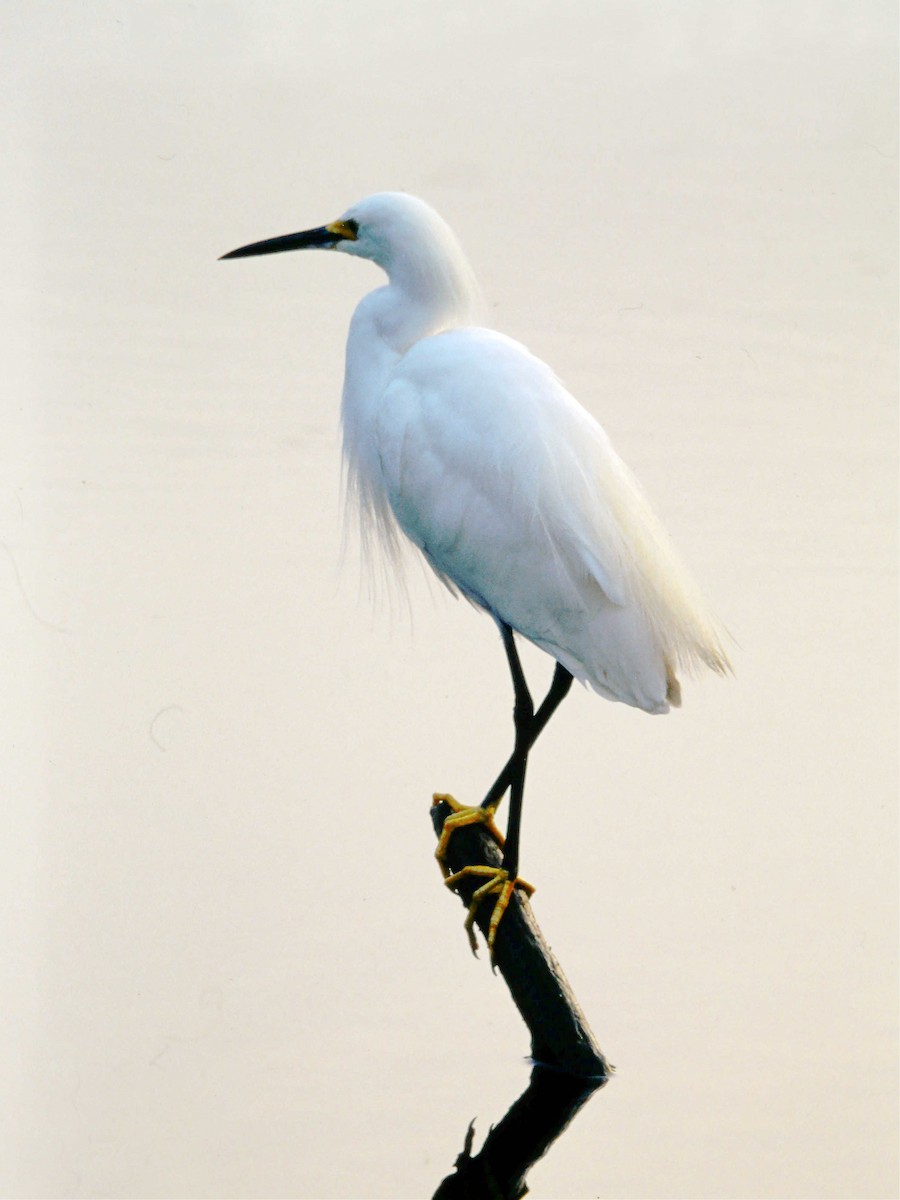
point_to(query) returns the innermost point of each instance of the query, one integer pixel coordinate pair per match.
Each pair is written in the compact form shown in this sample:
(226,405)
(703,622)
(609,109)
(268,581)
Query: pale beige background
(230,968)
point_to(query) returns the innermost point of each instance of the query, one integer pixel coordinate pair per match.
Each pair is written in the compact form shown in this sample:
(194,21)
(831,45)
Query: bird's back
(516,497)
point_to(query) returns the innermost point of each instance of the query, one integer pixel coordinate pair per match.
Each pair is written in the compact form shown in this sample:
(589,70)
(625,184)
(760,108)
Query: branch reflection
(526,1133)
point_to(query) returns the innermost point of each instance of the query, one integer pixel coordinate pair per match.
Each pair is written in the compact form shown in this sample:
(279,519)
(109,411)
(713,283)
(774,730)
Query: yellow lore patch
(343,230)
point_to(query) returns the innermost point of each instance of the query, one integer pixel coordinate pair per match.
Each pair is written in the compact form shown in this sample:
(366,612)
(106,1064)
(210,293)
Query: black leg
(514,824)
(528,725)
(559,689)
(523,717)
(523,711)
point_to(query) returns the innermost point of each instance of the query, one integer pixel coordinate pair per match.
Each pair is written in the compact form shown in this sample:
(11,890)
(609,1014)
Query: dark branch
(560,1034)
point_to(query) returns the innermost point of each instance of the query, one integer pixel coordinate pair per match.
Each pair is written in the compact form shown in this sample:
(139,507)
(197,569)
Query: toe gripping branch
(490,880)
(560,1034)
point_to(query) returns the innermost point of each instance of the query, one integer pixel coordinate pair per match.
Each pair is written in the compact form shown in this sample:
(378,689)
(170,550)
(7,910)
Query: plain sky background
(230,967)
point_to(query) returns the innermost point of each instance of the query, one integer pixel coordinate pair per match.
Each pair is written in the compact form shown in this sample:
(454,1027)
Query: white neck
(422,297)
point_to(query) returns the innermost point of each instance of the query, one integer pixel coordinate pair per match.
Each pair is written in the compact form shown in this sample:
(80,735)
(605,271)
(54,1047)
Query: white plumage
(507,485)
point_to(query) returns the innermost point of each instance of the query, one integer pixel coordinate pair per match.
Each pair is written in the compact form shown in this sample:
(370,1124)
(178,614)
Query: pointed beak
(324,237)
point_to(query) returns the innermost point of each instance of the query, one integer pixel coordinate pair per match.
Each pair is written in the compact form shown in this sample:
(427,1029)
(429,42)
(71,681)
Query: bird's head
(404,236)
(387,228)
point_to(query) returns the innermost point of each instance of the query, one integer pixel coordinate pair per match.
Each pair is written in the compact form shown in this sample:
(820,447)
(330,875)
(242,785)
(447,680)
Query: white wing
(515,495)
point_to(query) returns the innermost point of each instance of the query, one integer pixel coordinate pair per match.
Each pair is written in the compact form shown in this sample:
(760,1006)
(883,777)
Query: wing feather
(516,497)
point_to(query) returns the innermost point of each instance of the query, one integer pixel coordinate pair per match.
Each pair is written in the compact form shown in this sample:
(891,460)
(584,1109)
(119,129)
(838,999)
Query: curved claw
(462,815)
(499,884)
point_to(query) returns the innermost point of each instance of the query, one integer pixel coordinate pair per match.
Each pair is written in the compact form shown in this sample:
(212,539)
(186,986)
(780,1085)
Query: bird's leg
(464,814)
(559,689)
(505,877)
(501,881)
(523,718)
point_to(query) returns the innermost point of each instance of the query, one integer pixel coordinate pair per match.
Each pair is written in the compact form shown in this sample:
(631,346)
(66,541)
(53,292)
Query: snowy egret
(462,440)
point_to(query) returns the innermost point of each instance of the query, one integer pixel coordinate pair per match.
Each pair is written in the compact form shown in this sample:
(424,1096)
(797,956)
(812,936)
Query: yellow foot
(462,815)
(498,884)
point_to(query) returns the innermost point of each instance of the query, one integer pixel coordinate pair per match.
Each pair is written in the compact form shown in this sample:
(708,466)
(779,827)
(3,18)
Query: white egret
(463,441)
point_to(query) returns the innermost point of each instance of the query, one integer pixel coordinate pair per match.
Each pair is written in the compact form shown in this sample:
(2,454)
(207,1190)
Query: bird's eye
(352,227)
